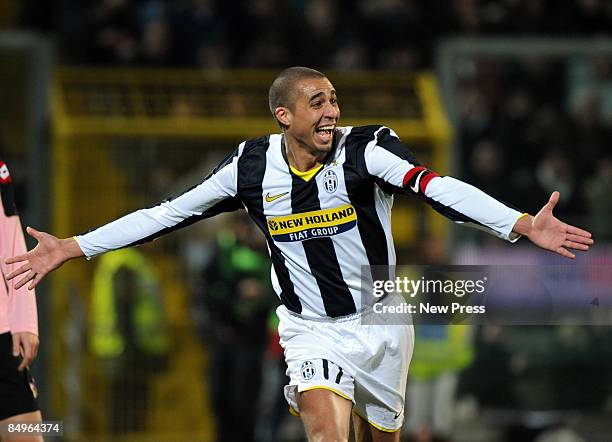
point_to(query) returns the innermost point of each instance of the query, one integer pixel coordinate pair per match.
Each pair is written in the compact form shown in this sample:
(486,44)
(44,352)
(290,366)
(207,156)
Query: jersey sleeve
(20,304)
(396,169)
(215,195)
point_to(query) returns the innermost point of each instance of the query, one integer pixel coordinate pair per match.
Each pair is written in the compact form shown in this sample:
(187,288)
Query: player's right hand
(49,254)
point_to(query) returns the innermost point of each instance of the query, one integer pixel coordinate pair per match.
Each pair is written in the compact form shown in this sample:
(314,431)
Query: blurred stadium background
(111,105)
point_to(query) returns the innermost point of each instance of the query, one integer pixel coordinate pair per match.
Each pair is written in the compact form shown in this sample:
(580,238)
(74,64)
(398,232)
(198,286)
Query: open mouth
(327,129)
(325,133)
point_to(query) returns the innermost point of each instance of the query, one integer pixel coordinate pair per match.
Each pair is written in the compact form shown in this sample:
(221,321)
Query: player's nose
(332,112)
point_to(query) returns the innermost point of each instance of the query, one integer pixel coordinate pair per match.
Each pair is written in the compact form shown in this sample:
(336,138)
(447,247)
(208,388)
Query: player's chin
(322,146)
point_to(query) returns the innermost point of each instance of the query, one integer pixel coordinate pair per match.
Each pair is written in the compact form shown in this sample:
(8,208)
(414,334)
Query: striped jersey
(320,231)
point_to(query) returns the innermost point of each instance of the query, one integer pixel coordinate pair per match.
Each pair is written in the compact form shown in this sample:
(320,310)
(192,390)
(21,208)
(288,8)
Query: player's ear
(283,116)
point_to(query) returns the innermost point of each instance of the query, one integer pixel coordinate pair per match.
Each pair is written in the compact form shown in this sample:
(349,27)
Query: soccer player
(322,196)
(18,324)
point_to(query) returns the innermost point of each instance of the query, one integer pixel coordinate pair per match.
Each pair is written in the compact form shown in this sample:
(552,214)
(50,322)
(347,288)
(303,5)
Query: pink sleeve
(22,314)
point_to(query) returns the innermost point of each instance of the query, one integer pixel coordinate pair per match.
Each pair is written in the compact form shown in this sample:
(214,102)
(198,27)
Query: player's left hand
(26,344)
(550,233)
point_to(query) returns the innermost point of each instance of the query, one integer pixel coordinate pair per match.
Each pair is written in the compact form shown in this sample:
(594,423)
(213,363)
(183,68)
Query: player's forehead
(310,88)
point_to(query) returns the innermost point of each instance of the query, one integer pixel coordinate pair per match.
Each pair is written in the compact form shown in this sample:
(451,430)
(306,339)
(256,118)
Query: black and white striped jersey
(321,231)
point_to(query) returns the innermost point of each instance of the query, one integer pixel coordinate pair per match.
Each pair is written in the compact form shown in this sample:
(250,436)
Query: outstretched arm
(392,162)
(550,233)
(49,254)
(216,194)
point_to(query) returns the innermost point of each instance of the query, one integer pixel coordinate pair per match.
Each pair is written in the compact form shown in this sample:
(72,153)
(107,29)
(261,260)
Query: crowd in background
(531,126)
(343,34)
(542,124)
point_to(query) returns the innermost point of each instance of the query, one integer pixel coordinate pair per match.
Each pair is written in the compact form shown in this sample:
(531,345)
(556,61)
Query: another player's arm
(391,161)
(216,194)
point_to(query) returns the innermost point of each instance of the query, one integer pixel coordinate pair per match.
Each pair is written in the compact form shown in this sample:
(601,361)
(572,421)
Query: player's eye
(316,103)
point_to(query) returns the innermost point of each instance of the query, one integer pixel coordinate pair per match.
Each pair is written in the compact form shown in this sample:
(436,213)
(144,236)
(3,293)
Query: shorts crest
(308,370)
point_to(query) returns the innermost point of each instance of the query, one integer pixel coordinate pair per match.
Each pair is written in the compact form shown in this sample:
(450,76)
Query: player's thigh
(32,417)
(380,388)
(364,432)
(325,414)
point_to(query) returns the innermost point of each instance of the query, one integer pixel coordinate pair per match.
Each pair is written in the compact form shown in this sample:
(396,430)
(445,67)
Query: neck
(300,157)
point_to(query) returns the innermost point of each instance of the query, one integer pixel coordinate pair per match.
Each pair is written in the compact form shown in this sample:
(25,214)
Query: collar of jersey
(309,174)
(306,176)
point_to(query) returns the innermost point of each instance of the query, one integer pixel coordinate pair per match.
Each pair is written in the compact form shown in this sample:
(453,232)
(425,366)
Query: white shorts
(367,364)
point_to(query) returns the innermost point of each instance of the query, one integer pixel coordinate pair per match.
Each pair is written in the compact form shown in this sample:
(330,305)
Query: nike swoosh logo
(269,198)
(397,414)
(415,188)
